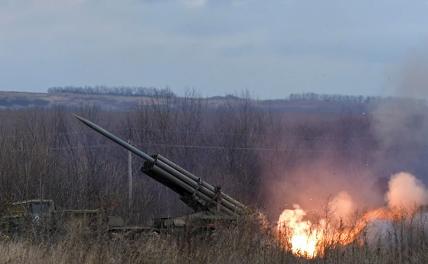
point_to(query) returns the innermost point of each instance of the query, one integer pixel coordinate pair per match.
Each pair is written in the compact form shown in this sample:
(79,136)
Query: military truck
(28,216)
(42,216)
(210,204)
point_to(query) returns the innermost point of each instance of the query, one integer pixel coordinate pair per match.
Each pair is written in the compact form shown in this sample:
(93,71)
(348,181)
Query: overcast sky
(269,47)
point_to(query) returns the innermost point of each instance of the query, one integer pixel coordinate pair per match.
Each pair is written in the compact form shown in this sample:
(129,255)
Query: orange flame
(306,239)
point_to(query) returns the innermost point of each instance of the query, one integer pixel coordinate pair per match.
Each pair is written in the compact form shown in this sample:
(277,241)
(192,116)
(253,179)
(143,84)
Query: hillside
(16,100)
(20,100)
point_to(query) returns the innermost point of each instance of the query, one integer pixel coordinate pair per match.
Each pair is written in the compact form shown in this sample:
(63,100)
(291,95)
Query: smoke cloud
(355,155)
(397,127)
(324,183)
(414,79)
(400,124)
(342,207)
(406,192)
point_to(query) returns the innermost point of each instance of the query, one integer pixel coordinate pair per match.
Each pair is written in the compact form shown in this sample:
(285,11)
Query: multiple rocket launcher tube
(196,193)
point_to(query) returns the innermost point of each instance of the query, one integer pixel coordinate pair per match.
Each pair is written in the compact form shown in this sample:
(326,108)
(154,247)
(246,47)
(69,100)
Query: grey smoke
(400,123)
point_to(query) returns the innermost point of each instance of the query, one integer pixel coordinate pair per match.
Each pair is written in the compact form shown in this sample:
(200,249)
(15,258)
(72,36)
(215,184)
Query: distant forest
(359,99)
(167,92)
(113,90)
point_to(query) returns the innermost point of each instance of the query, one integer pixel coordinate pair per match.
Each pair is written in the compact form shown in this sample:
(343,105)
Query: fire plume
(310,239)
(303,235)
(306,239)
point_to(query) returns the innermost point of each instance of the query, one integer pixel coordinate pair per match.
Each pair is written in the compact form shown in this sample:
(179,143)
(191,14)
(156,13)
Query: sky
(270,48)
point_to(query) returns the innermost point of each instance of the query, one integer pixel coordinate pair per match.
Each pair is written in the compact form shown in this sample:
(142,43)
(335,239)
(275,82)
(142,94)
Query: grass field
(244,244)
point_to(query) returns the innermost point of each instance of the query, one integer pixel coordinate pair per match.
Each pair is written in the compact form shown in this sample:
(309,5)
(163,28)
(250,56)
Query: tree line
(357,99)
(114,90)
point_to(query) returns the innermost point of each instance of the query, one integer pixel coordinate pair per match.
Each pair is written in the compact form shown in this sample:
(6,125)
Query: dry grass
(244,244)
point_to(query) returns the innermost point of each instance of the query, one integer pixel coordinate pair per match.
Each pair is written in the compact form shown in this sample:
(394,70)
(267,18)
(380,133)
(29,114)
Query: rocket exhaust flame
(308,239)
(303,236)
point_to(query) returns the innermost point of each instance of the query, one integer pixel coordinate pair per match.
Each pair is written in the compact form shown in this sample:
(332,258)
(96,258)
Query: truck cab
(19,216)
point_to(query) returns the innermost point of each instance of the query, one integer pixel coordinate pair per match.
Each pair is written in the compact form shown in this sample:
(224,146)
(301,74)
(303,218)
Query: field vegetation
(244,243)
